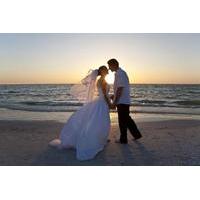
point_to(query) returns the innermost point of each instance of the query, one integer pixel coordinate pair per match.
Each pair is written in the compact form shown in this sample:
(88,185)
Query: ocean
(145,98)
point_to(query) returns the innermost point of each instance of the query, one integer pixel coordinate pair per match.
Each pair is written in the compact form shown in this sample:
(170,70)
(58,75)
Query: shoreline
(112,111)
(164,143)
(8,114)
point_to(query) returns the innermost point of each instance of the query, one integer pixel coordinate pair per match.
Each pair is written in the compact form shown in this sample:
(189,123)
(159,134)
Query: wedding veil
(86,90)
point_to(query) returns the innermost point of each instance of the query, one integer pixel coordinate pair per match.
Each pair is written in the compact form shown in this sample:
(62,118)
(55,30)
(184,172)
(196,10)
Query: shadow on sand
(67,157)
(135,154)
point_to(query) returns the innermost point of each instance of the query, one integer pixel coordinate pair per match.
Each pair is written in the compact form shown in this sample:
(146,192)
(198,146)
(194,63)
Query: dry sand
(175,142)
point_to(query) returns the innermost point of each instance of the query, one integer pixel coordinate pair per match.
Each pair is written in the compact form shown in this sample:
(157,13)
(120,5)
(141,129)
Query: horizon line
(110,84)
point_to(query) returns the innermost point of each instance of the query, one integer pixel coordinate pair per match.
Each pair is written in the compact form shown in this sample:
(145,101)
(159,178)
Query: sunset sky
(66,58)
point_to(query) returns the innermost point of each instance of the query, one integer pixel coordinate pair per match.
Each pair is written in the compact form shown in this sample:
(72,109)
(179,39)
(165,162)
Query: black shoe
(124,142)
(138,137)
(121,142)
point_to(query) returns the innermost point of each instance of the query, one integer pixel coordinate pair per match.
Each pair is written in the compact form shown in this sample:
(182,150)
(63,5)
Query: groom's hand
(112,97)
(113,106)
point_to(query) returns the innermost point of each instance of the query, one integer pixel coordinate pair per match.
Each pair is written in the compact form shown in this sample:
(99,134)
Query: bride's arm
(104,86)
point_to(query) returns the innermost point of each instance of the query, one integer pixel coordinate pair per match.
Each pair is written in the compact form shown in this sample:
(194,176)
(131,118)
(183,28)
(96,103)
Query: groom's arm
(118,95)
(120,84)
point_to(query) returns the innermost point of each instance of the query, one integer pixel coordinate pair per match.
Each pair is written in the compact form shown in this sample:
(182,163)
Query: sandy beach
(171,142)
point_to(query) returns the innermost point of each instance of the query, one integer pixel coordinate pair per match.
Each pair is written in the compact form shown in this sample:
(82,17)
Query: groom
(121,100)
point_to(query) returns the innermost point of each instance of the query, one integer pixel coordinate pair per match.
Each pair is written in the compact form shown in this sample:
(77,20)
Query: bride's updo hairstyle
(101,69)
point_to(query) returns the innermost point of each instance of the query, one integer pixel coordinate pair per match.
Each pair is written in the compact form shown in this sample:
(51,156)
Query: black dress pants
(126,122)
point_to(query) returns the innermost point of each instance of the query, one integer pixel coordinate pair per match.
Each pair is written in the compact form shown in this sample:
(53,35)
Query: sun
(110,78)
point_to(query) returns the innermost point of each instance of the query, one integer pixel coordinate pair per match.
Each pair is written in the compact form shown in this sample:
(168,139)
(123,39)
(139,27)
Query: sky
(66,58)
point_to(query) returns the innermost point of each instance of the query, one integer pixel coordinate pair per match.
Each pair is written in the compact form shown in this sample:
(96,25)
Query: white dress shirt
(122,80)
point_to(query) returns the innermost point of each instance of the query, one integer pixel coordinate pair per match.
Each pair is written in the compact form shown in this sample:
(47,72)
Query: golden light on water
(110,77)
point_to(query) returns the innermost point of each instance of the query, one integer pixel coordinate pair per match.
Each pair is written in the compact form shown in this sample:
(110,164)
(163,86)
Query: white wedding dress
(87,129)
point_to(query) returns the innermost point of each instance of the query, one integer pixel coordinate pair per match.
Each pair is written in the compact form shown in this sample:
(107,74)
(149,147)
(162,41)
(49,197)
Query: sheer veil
(86,90)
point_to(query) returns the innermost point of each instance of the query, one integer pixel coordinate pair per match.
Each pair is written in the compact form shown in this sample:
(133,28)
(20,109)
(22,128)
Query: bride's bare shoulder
(102,82)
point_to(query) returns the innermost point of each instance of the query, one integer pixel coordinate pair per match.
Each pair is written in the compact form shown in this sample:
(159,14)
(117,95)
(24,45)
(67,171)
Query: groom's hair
(114,62)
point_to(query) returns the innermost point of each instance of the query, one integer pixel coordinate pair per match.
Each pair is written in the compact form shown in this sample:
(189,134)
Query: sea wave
(152,102)
(188,102)
(50,103)
(13,91)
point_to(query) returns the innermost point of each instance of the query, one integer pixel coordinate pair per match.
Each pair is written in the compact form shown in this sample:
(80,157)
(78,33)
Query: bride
(87,129)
